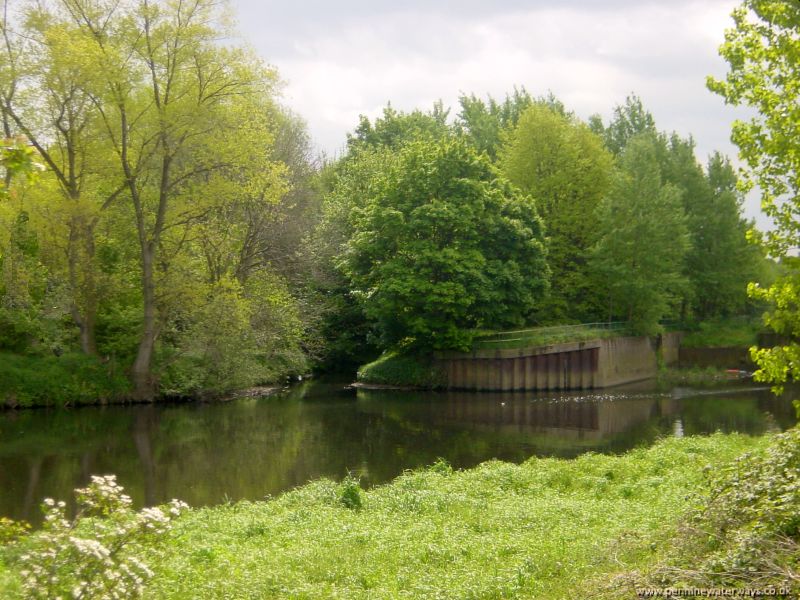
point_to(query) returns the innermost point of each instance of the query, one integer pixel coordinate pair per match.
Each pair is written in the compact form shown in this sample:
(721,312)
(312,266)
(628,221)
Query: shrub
(746,530)
(59,380)
(349,492)
(97,554)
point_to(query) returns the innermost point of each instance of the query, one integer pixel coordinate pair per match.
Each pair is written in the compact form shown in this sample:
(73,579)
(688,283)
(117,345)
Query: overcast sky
(343,59)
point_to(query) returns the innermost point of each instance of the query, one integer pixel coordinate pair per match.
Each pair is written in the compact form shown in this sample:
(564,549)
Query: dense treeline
(632,226)
(182,238)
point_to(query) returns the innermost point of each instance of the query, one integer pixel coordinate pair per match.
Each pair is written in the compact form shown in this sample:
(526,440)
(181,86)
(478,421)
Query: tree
(721,261)
(44,97)
(628,121)
(763,52)
(564,167)
(638,260)
(167,174)
(484,122)
(443,245)
(395,128)
(181,114)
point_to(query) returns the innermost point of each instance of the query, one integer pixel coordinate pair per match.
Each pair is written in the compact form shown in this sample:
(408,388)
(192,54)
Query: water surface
(252,448)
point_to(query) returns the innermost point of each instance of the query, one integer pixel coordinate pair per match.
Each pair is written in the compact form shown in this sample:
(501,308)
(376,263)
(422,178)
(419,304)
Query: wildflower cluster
(97,554)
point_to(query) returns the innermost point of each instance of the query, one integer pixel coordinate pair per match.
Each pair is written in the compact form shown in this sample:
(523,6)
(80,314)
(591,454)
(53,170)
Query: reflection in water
(250,448)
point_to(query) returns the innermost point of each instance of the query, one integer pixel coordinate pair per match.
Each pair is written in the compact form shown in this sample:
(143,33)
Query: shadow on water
(251,448)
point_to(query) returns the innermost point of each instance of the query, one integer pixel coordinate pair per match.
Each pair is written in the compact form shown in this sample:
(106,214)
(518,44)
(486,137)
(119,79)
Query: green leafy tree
(443,245)
(395,128)
(484,121)
(638,261)
(629,119)
(721,262)
(763,51)
(564,167)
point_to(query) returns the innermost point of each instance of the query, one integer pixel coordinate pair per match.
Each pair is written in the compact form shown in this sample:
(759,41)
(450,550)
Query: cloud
(346,59)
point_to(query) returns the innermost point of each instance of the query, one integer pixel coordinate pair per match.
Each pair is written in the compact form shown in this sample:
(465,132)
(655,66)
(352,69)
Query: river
(252,448)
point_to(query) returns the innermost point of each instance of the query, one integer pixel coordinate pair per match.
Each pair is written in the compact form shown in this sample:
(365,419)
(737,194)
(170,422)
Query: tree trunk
(141,374)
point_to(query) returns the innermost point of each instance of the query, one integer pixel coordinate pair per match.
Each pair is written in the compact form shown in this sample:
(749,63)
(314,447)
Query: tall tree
(638,260)
(485,121)
(146,111)
(563,165)
(763,53)
(628,120)
(44,97)
(395,128)
(442,245)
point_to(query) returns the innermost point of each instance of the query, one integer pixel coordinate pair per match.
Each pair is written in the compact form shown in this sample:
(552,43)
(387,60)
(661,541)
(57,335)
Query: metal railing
(580,330)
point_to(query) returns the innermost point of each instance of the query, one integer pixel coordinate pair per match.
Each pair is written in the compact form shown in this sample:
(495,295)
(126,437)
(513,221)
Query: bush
(59,380)
(350,492)
(721,333)
(746,529)
(97,554)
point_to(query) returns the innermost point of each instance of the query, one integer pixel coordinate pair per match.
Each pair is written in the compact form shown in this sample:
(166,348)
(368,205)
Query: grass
(548,528)
(64,380)
(694,376)
(739,332)
(395,369)
(545,336)
(594,527)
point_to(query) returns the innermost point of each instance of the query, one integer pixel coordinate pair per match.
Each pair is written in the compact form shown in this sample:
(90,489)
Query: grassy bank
(395,369)
(66,380)
(685,512)
(543,529)
(548,528)
(545,336)
(669,377)
(736,332)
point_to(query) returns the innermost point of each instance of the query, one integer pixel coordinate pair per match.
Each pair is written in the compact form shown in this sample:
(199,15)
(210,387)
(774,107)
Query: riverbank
(67,380)
(548,528)
(397,370)
(78,380)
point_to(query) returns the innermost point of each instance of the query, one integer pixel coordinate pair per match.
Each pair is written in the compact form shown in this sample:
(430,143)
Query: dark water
(251,448)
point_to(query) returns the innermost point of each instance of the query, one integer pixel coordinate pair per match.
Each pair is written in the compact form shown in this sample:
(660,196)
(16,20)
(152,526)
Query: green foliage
(629,121)
(394,368)
(17,159)
(394,129)
(740,332)
(171,172)
(547,528)
(64,380)
(485,122)
(236,337)
(442,245)
(744,529)
(564,167)
(638,260)
(762,54)
(350,493)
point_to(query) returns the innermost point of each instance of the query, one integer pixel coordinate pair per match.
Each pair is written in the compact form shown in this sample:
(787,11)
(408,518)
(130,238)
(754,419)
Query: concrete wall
(570,366)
